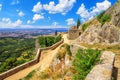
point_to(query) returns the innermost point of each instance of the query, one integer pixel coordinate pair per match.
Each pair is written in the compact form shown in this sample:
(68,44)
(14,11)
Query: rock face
(107,33)
(96,34)
(116,15)
(114,11)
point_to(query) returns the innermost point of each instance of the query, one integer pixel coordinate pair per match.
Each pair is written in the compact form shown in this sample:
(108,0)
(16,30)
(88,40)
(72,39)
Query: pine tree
(78,23)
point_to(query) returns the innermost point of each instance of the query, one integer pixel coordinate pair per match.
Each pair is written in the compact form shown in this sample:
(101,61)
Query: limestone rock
(107,33)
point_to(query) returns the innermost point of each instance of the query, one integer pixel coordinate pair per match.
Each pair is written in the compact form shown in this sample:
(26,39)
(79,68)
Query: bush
(100,15)
(29,75)
(84,26)
(68,50)
(58,38)
(103,18)
(84,62)
(42,41)
(48,40)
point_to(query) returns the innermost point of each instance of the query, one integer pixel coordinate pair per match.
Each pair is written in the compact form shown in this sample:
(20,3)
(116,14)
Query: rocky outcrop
(100,34)
(106,33)
(116,15)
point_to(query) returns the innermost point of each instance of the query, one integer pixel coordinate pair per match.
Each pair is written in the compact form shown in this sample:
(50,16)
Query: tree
(56,33)
(78,23)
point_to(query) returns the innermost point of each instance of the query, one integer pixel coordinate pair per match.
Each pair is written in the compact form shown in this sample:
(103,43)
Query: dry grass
(113,47)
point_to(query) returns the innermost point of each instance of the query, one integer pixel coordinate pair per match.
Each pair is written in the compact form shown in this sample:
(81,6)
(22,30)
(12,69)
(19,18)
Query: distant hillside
(105,28)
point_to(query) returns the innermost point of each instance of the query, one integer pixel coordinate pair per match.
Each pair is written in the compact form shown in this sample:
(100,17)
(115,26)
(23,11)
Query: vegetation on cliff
(102,18)
(84,61)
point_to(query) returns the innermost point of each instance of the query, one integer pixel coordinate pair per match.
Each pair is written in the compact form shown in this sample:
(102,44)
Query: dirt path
(66,39)
(44,62)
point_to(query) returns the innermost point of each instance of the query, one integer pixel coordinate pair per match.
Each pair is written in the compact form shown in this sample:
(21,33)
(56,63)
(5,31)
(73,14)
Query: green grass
(84,26)
(29,75)
(84,61)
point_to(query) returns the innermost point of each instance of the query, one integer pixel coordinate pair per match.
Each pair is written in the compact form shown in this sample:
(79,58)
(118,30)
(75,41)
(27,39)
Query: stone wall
(30,63)
(103,70)
(73,34)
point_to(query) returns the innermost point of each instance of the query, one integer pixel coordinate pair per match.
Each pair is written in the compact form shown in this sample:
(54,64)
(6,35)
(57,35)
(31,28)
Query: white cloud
(28,22)
(21,14)
(85,14)
(17,23)
(7,20)
(37,17)
(55,24)
(70,21)
(62,7)
(0,7)
(15,2)
(7,23)
(37,8)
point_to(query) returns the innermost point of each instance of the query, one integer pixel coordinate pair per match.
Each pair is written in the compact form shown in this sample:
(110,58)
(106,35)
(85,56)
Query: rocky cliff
(108,32)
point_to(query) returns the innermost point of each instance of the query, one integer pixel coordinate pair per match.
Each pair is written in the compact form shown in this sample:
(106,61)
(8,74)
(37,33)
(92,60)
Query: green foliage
(12,50)
(103,18)
(29,75)
(44,75)
(58,38)
(48,40)
(84,26)
(42,41)
(100,15)
(68,50)
(84,62)
(78,23)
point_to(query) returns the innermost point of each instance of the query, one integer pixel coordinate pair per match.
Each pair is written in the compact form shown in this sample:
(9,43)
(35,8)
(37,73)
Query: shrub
(29,75)
(68,50)
(84,26)
(103,18)
(42,41)
(58,38)
(84,62)
(100,15)
(44,75)
(48,40)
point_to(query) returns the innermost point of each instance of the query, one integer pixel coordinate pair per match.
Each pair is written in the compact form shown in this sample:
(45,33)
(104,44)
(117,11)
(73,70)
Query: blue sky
(49,13)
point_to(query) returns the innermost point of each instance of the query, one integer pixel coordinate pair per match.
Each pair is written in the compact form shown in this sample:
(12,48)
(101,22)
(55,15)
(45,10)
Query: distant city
(28,33)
